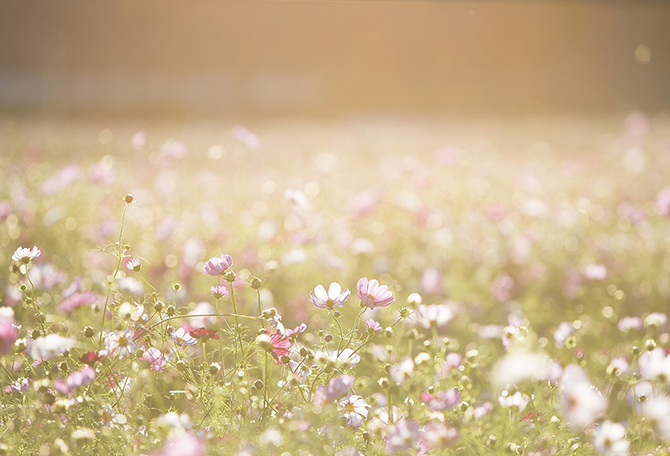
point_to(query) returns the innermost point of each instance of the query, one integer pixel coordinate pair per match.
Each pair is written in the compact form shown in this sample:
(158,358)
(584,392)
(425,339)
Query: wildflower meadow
(373,287)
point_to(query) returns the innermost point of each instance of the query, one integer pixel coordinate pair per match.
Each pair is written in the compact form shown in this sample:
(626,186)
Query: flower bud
(128,198)
(89,332)
(214,368)
(230,276)
(255,283)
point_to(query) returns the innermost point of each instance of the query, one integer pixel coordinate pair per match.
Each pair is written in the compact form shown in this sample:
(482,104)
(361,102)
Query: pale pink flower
(564,330)
(372,294)
(8,335)
(629,323)
(373,326)
(219,291)
(120,344)
(443,400)
(335,297)
(431,281)
(582,403)
(87,298)
(184,444)
(134,264)
(217,266)
(655,365)
(595,271)
(402,435)
(355,410)
(438,435)
(182,337)
(516,402)
(437,315)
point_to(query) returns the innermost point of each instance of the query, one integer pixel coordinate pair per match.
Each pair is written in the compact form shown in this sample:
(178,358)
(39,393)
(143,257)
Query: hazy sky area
(321,58)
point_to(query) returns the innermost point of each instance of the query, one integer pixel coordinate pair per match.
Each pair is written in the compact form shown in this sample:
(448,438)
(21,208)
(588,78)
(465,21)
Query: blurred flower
(518,366)
(130,311)
(663,201)
(564,330)
(372,294)
(655,319)
(516,402)
(582,403)
(399,372)
(202,308)
(120,344)
(90,358)
(610,439)
(8,335)
(75,380)
(181,337)
(434,315)
(249,139)
(155,359)
(656,411)
(655,365)
(629,323)
(86,298)
(442,400)
(438,435)
(204,334)
(335,297)
(595,272)
(431,281)
(402,435)
(184,444)
(346,358)
(49,347)
(355,410)
(217,266)
(25,255)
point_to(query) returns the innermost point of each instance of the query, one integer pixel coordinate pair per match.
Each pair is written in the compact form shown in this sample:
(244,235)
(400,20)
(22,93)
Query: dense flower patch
(185,300)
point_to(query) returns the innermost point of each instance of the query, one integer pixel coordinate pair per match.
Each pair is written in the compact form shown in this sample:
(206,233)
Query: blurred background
(315,58)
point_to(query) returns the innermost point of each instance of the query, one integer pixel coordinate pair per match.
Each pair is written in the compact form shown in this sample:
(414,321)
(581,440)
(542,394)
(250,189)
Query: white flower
(656,410)
(355,410)
(346,358)
(399,372)
(120,344)
(49,347)
(582,403)
(610,439)
(174,420)
(518,366)
(654,365)
(335,297)
(516,401)
(202,308)
(26,255)
(130,312)
(134,264)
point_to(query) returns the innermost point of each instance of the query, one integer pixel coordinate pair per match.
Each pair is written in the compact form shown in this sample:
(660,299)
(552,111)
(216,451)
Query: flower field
(361,287)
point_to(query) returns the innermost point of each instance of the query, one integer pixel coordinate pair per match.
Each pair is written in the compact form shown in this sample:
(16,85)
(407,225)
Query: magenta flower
(335,297)
(372,294)
(217,266)
(274,342)
(155,359)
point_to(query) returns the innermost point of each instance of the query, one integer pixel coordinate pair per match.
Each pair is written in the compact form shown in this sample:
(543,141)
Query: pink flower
(595,271)
(155,359)
(274,342)
(663,201)
(8,335)
(76,300)
(373,326)
(217,266)
(185,444)
(219,291)
(355,410)
(372,294)
(181,337)
(335,297)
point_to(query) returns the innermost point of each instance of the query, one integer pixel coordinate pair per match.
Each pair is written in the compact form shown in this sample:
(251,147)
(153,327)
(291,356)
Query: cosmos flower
(120,344)
(181,337)
(609,439)
(134,264)
(218,265)
(49,347)
(204,334)
(373,326)
(91,358)
(183,444)
(335,297)
(582,403)
(219,291)
(355,410)
(437,315)
(655,365)
(372,294)
(274,342)
(155,359)
(25,255)
(402,435)
(8,335)
(517,401)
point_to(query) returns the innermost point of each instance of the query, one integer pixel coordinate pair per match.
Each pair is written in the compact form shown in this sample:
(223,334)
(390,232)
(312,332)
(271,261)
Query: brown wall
(323,57)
